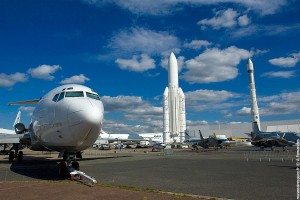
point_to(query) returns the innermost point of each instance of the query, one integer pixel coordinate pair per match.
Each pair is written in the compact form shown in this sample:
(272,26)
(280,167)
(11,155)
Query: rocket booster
(254,106)
(173,106)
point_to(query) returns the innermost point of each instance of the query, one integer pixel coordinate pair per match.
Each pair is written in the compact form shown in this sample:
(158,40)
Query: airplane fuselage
(68,118)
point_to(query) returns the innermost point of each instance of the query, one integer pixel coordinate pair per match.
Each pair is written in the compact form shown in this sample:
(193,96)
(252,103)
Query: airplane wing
(6,131)
(10,138)
(34,101)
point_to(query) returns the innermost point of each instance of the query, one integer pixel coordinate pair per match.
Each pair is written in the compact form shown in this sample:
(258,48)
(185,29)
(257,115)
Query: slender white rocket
(173,106)
(254,106)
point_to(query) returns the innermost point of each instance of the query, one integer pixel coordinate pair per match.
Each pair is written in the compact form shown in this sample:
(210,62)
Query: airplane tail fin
(201,136)
(187,134)
(255,127)
(18,118)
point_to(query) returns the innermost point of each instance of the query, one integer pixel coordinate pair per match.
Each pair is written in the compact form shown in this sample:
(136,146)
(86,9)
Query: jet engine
(20,128)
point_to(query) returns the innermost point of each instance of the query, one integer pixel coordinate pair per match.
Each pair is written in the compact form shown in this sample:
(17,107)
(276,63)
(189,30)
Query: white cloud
(75,79)
(44,71)
(197,44)
(136,63)
(243,20)
(138,115)
(140,40)
(200,100)
(280,74)
(9,80)
(244,111)
(196,122)
(281,104)
(215,65)
(222,19)
(225,19)
(208,95)
(164,7)
(286,61)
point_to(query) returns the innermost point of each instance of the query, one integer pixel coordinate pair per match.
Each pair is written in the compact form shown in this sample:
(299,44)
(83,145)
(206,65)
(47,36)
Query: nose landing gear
(69,167)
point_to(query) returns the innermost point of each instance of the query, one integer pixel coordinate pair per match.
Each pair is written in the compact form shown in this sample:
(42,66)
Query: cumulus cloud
(244,111)
(75,79)
(215,65)
(140,40)
(200,100)
(136,63)
(44,71)
(9,80)
(196,122)
(243,20)
(135,111)
(223,19)
(197,44)
(131,105)
(283,103)
(164,7)
(279,74)
(290,61)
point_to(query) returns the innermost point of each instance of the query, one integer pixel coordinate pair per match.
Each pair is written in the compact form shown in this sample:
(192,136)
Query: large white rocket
(254,106)
(173,106)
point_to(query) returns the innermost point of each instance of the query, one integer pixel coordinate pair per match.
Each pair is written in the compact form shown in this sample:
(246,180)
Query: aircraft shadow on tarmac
(43,168)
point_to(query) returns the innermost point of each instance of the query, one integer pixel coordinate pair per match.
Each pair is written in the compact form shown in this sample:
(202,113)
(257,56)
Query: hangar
(237,130)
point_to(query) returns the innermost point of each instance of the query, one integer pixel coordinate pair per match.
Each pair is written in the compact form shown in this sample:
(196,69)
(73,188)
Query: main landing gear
(15,154)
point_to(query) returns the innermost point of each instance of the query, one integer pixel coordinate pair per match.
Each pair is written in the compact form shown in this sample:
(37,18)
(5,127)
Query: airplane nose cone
(85,121)
(86,112)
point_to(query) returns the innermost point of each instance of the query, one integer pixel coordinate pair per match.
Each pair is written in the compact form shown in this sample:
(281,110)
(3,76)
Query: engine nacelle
(20,128)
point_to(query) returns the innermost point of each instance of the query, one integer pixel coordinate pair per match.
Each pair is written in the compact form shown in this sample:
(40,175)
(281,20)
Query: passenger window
(61,96)
(74,94)
(93,96)
(55,97)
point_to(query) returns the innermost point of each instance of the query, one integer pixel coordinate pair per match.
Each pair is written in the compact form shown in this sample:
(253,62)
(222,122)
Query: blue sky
(120,49)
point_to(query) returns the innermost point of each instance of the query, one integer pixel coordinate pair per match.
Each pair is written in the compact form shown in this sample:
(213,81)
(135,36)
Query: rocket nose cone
(249,65)
(172,57)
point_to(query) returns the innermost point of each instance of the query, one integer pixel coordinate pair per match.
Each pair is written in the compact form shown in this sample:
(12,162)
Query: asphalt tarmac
(235,173)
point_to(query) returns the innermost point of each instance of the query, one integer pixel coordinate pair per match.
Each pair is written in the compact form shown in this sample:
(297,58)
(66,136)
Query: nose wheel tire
(75,165)
(62,169)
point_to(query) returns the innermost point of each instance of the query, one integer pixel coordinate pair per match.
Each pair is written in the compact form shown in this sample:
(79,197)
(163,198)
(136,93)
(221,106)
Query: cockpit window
(58,97)
(55,97)
(93,96)
(61,96)
(74,94)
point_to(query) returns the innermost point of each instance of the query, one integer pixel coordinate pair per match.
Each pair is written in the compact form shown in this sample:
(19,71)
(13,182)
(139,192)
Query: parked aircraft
(67,119)
(273,139)
(211,141)
(132,140)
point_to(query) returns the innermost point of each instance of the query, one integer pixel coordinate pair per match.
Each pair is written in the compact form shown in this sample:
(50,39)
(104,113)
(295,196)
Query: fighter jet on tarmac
(211,141)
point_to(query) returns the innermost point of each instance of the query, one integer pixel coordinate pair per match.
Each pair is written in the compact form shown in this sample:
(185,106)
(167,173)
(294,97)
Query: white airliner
(67,119)
(137,140)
